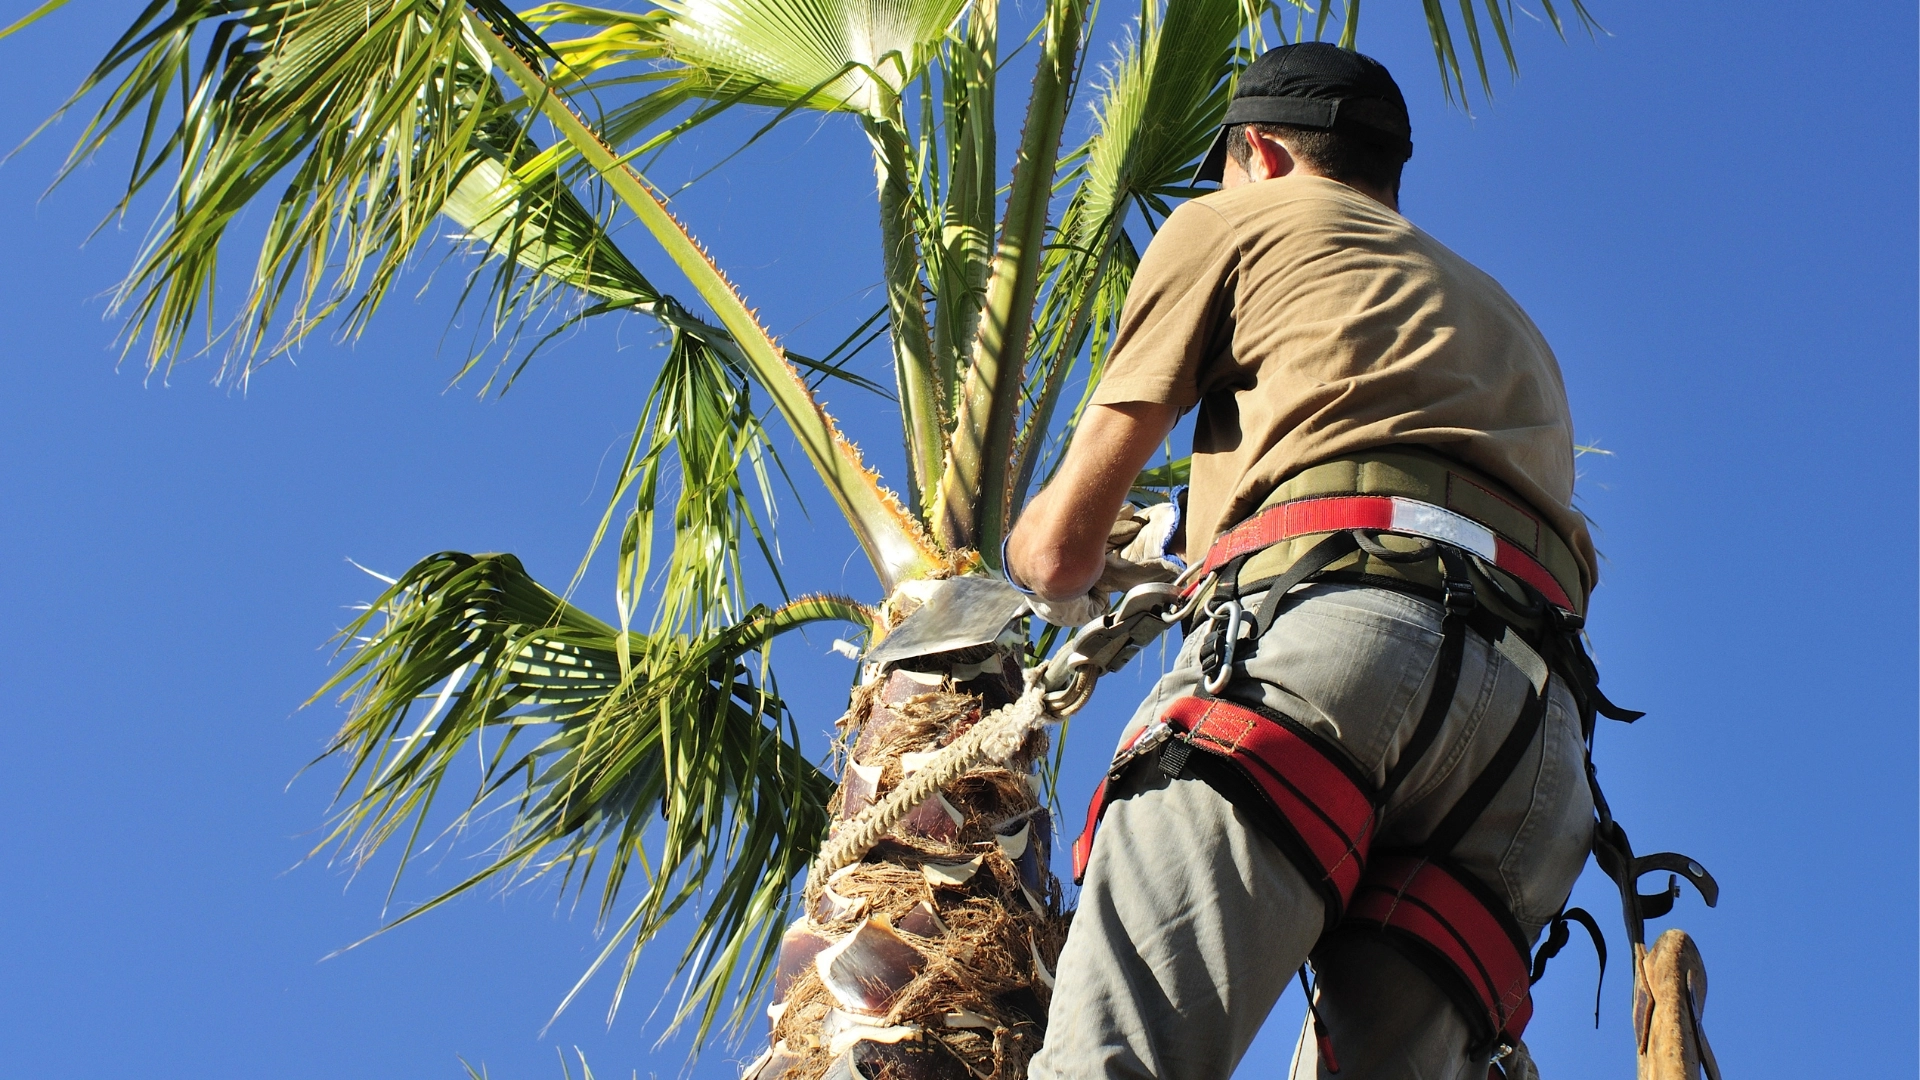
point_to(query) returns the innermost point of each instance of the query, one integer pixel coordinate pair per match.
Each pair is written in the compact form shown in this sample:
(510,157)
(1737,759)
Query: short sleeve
(1178,313)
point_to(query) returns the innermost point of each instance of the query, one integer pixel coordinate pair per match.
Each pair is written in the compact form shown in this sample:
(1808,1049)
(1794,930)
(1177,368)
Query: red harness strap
(1322,803)
(1083,844)
(1445,910)
(1387,513)
(1322,814)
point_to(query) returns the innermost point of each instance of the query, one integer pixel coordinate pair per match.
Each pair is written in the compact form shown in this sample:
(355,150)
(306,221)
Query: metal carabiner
(1108,642)
(1217,680)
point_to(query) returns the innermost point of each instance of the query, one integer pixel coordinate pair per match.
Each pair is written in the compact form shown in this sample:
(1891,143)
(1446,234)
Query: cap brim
(1213,167)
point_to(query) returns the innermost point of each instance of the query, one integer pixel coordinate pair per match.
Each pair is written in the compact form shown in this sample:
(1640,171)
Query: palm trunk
(931,958)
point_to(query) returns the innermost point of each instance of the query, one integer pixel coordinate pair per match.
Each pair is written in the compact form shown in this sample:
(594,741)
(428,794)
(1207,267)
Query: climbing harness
(1498,572)
(1403,519)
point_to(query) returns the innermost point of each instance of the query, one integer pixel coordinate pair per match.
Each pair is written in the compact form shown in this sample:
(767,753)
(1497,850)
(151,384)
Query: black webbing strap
(1557,937)
(1226,591)
(1332,548)
(1480,793)
(1322,1038)
(1565,654)
(1459,601)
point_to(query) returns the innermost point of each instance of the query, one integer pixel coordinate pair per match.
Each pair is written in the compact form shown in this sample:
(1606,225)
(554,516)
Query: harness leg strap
(1300,791)
(1449,923)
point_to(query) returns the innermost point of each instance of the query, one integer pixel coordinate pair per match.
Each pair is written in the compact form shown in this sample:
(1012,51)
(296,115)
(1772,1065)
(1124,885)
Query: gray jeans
(1191,922)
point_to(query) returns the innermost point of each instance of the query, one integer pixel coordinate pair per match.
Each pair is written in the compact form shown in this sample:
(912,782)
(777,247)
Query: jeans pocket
(1550,846)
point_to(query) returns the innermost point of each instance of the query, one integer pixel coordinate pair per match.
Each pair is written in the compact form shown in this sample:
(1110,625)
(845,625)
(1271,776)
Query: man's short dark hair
(1337,154)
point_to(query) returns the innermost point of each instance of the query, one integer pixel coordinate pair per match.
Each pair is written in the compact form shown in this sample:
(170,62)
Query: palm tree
(661,743)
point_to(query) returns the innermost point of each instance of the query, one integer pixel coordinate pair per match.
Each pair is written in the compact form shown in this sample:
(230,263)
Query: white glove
(1137,547)
(1071,613)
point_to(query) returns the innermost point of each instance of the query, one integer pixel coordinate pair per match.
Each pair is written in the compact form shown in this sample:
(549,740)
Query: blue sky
(1710,212)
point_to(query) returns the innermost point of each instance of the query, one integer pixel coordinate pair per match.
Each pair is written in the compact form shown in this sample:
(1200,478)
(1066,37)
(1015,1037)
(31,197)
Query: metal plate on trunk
(961,612)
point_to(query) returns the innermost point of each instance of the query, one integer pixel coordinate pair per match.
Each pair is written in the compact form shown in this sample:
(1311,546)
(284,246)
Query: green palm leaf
(361,118)
(895,545)
(604,748)
(1157,113)
(824,54)
(1446,54)
(699,416)
(831,55)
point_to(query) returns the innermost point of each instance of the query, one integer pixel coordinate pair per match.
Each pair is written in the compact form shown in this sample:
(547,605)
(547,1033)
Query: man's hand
(1059,547)
(1071,613)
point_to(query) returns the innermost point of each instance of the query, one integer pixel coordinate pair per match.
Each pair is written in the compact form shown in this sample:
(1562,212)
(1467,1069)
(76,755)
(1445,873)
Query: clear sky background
(1710,212)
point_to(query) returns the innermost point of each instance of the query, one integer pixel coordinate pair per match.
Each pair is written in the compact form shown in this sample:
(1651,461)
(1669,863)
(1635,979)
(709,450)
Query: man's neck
(1385,198)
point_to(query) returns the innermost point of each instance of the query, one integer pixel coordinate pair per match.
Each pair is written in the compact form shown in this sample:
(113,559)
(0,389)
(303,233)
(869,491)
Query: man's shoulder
(1292,200)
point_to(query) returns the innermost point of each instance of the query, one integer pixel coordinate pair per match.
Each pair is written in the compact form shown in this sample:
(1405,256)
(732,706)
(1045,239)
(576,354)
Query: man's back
(1307,321)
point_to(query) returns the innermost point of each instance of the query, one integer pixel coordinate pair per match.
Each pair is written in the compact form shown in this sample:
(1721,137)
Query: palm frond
(602,748)
(1080,321)
(960,178)
(973,495)
(1440,32)
(893,540)
(833,55)
(1157,113)
(32,17)
(852,54)
(355,121)
(699,416)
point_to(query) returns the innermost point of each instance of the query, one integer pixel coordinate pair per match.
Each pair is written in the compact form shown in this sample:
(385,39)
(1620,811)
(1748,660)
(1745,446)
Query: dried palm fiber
(985,937)
(998,737)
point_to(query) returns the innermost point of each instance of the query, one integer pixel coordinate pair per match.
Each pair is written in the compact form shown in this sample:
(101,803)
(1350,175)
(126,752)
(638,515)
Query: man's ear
(1267,156)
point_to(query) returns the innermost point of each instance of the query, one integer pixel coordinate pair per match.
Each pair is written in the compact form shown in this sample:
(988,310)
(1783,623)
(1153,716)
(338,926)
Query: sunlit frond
(600,748)
(822,54)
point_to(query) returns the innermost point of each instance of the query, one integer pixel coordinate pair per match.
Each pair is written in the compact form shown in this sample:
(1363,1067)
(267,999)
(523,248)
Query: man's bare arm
(1059,546)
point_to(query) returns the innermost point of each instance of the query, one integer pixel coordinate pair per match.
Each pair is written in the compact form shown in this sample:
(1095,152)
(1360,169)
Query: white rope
(997,737)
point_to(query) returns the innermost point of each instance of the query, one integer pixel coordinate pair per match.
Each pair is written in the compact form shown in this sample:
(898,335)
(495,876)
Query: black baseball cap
(1315,85)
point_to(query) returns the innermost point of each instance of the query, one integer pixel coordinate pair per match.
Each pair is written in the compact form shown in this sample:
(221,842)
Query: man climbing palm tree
(1371,406)
(1381,426)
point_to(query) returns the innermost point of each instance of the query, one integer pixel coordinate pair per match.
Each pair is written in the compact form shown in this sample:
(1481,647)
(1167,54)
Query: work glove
(1073,612)
(1136,553)
(1137,546)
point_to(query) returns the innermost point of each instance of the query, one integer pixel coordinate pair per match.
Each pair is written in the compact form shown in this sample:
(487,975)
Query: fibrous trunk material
(931,958)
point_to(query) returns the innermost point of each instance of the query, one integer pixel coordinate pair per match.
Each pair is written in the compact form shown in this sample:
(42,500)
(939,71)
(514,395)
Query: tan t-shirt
(1308,321)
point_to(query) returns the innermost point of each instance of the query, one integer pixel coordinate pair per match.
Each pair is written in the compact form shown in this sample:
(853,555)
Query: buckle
(1458,597)
(1144,743)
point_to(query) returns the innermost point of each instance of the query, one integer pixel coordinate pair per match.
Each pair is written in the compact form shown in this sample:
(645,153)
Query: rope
(998,736)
